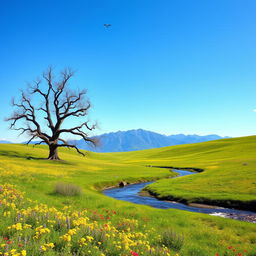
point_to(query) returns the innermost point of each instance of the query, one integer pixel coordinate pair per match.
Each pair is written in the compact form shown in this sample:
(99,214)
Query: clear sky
(167,66)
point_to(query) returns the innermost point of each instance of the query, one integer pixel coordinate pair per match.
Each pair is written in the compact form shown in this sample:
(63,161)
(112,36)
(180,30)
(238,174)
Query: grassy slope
(229,169)
(204,235)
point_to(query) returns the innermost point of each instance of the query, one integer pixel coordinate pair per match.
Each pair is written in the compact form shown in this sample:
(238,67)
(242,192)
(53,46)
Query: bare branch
(31,139)
(39,143)
(86,124)
(77,112)
(23,130)
(59,139)
(71,146)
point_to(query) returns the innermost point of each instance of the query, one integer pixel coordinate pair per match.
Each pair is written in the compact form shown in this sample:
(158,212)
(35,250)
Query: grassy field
(229,174)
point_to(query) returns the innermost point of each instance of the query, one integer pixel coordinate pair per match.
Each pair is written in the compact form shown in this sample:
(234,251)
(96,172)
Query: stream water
(130,193)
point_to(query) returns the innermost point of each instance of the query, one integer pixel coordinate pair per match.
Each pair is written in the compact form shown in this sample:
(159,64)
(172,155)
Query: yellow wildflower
(23,253)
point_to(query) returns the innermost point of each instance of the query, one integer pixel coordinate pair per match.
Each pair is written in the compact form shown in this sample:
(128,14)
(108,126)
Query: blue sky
(165,66)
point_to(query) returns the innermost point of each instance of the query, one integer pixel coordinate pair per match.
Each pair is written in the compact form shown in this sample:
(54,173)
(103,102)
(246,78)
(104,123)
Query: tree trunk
(53,154)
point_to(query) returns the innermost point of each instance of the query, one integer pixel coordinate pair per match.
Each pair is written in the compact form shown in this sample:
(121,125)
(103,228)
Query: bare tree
(58,104)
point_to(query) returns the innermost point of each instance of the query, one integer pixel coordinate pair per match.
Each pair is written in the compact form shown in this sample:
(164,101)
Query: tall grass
(172,240)
(67,189)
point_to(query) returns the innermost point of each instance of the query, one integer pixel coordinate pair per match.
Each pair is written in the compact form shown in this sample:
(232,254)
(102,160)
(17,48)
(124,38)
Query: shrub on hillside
(172,240)
(67,189)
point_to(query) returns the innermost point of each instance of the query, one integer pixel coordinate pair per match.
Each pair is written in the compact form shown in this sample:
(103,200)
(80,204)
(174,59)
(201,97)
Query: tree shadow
(36,158)
(14,154)
(60,161)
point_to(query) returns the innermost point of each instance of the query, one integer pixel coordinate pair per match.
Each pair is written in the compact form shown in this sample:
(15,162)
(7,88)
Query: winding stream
(130,193)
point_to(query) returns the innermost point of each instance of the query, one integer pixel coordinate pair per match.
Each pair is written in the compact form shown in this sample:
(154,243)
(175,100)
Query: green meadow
(229,177)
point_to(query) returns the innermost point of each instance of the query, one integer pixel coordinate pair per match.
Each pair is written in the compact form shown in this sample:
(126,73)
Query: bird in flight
(107,25)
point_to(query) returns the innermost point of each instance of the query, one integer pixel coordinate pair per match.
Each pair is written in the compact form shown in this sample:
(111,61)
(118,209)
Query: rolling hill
(229,175)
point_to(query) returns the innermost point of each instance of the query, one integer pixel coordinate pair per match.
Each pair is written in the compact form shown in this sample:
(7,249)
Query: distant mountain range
(5,142)
(140,139)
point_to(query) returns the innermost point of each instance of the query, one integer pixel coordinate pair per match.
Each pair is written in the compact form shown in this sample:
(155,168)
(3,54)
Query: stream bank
(131,193)
(230,203)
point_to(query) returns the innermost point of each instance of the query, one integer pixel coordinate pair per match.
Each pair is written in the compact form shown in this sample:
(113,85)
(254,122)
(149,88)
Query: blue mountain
(5,142)
(140,139)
